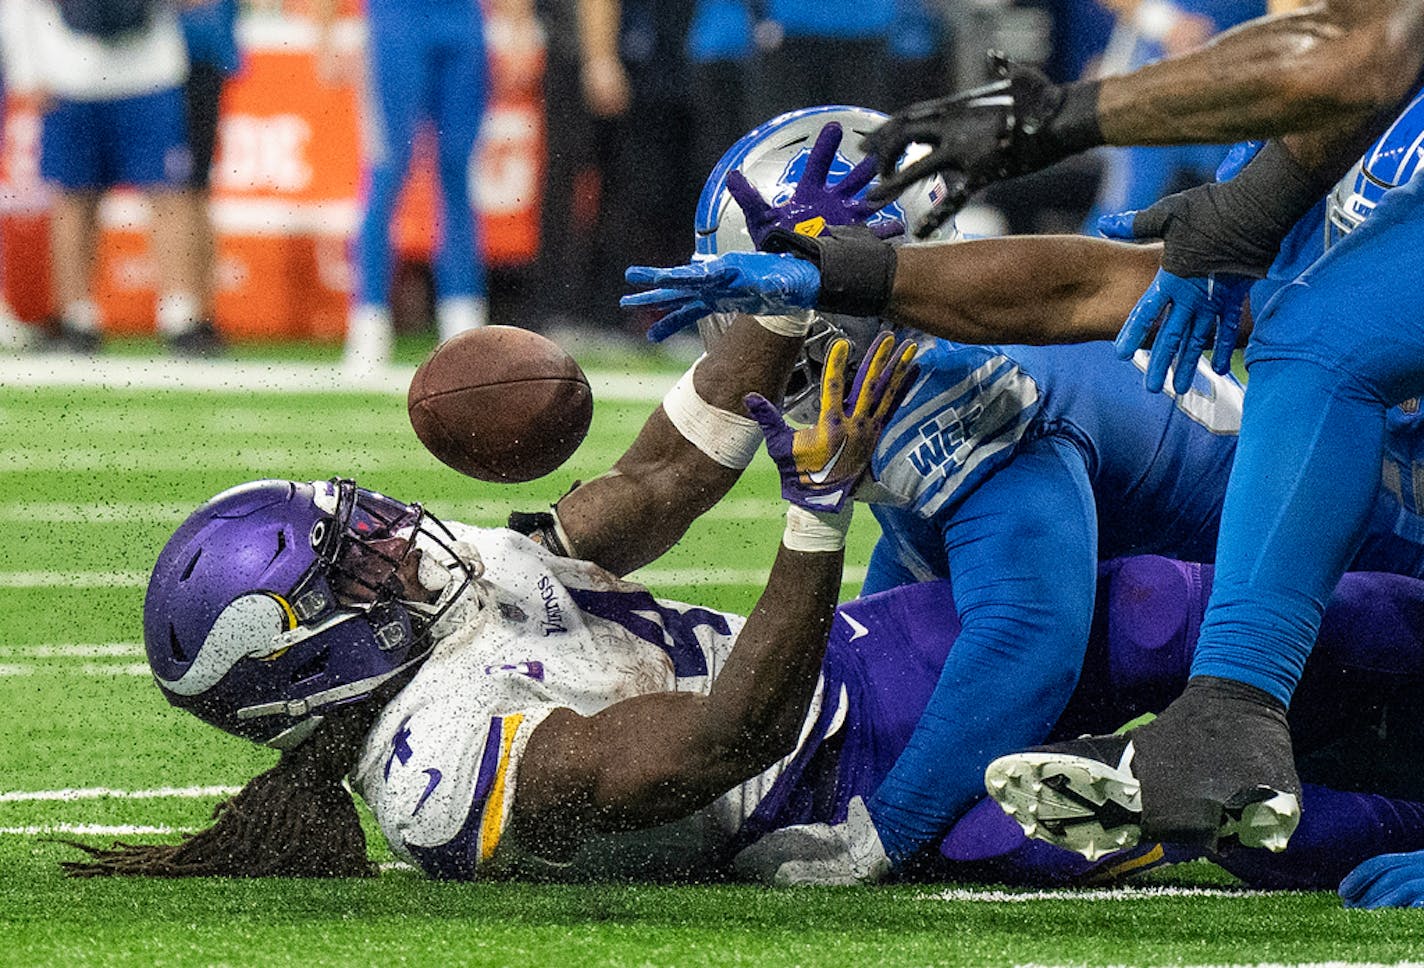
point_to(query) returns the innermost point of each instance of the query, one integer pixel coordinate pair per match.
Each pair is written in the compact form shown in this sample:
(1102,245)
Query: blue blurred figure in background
(210,31)
(425,63)
(1147,31)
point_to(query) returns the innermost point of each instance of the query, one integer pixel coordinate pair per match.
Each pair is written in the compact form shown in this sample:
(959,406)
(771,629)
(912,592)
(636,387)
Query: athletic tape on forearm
(857,276)
(816,530)
(728,438)
(794,324)
(857,269)
(1234,226)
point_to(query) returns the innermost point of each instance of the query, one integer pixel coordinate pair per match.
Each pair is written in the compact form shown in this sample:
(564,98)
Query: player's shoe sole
(1082,795)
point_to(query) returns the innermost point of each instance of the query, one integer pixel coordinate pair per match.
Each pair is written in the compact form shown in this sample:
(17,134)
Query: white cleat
(370,338)
(1265,821)
(1083,803)
(1082,795)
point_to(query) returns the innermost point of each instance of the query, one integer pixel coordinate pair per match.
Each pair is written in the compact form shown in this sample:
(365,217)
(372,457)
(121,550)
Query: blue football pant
(427,63)
(1330,353)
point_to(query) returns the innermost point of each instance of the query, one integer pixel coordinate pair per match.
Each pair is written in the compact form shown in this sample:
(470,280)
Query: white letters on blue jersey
(440,767)
(1158,463)
(959,422)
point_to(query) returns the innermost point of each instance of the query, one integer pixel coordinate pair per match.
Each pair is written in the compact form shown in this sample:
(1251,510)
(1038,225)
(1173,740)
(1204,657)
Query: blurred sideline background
(571,182)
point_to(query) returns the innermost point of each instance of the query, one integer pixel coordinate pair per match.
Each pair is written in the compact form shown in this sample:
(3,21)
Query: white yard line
(10,670)
(652,577)
(257,377)
(94,829)
(74,650)
(73,579)
(109,793)
(243,463)
(1094,894)
(170,512)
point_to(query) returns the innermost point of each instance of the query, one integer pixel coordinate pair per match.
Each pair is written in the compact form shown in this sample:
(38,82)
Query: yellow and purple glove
(821,464)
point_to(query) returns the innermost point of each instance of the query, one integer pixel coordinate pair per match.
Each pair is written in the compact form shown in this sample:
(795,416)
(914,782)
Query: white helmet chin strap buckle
(289,638)
(470,555)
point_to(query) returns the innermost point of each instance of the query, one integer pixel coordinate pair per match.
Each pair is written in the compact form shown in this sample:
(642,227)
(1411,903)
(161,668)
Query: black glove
(1235,226)
(1017,123)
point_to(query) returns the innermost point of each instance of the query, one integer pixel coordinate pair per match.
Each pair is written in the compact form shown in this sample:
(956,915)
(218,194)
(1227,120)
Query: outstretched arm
(636,511)
(657,757)
(1024,289)
(1332,67)
(1318,66)
(1021,289)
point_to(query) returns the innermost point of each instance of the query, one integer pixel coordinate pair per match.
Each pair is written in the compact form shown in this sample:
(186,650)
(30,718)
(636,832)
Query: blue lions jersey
(1157,464)
(1011,470)
(1395,540)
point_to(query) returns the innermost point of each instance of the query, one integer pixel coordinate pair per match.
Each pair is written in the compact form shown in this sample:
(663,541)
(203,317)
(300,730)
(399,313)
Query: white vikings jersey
(441,765)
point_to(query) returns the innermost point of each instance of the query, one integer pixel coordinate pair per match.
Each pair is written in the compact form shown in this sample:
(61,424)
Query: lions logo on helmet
(773,158)
(1389,163)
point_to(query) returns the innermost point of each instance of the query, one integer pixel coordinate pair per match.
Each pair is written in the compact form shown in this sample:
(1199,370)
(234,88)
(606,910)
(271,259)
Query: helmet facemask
(278,645)
(1390,162)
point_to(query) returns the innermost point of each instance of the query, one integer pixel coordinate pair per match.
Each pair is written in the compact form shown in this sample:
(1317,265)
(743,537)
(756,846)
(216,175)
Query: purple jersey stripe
(456,859)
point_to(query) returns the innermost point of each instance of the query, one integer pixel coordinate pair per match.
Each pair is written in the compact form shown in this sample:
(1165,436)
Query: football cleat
(1079,796)
(200,341)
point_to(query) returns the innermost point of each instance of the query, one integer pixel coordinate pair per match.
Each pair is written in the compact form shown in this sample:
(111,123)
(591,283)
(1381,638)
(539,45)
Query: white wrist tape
(795,323)
(816,530)
(728,438)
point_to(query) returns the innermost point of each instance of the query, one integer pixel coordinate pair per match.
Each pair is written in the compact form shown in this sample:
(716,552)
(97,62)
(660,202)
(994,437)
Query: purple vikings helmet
(277,600)
(773,157)
(1389,163)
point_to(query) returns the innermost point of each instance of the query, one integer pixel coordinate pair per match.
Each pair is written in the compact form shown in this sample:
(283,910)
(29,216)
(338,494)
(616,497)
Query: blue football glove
(1191,311)
(821,464)
(1389,880)
(738,282)
(816,202)
(1217,238)
(1238,158)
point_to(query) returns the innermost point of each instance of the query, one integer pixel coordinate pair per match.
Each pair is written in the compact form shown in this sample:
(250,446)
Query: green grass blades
(91,484)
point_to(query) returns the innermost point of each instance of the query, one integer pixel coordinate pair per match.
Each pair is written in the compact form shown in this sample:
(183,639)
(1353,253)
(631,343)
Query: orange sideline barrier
(285,194)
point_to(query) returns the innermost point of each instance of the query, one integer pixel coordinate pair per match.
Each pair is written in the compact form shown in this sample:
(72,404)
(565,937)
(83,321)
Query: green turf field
(91,483)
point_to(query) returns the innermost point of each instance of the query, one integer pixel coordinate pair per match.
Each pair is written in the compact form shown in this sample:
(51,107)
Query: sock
(369,336)
(177,313)
(82,315)
(455,314)
(1306,474)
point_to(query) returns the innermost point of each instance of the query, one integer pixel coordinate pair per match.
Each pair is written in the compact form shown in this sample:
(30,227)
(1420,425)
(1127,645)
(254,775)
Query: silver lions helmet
(773,158)
(1390,162)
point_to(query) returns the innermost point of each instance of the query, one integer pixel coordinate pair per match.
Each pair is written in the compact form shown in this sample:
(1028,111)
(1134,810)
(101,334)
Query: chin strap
(297,708)
(543,527)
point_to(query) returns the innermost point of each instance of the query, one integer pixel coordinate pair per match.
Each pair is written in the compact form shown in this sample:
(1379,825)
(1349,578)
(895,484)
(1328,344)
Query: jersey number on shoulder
(1213,401)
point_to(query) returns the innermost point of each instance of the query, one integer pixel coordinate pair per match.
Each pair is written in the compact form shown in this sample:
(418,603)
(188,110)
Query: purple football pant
(886,651)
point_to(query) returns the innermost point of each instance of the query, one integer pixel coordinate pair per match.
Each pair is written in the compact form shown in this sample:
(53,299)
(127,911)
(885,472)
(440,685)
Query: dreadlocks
(295,820)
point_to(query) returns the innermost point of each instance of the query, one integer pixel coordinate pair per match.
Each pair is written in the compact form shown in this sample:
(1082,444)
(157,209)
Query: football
(500,404)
